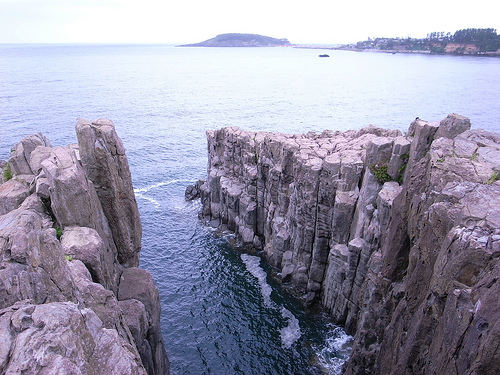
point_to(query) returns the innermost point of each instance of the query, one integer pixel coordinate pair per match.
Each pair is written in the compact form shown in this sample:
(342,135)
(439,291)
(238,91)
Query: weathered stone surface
(106,165)
(452,126)
(12,194)
(436,258)
(32,264)
(60,273)
(66,177)
(137,284)
(61,338)
(136,318)
(409,266)
(85,244)
(193,191)
(399,158)
(19,160)
(37,156)
(62,176)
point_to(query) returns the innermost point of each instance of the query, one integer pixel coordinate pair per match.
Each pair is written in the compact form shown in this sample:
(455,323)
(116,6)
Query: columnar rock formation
(105,163)
(397,236)
(72,299)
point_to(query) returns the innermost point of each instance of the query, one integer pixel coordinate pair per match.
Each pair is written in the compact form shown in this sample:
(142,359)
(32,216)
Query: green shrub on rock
(7,172)
(380,172)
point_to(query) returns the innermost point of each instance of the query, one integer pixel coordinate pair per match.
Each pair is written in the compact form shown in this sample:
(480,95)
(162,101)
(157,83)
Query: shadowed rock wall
(397,236)
(71,297)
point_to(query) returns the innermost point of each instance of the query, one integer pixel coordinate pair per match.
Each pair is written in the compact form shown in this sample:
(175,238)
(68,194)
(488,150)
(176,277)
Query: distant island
(240,40)
(463,42)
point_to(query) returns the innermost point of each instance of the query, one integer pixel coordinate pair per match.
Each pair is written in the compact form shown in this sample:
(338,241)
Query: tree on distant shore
(485,39)
(438,36)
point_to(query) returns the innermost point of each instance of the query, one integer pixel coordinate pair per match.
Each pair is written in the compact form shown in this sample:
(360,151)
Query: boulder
(85,244)
(61,338)
(193,191)
(12,194)
(452,126)
(19,160)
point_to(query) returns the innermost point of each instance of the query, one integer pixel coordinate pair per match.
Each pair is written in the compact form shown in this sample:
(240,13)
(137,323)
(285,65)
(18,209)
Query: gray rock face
(138,292)
(21,154)
(61,272)
(12,194)
(106,165)
(61,338)
(397,237)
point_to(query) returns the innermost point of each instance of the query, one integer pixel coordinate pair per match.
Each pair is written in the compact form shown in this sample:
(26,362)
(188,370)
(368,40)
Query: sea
(223,312)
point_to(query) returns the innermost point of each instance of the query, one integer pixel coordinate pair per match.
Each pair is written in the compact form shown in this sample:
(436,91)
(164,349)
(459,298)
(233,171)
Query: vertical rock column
(296,197)
(106,165)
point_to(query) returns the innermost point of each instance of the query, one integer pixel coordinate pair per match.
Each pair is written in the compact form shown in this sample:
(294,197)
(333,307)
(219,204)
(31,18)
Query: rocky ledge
(398,237)
(72,298)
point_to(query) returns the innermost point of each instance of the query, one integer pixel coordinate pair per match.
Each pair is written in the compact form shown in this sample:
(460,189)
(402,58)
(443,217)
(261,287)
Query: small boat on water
(324,55)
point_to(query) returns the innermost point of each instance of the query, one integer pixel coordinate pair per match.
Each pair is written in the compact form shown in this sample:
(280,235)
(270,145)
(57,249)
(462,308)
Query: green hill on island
(240,40)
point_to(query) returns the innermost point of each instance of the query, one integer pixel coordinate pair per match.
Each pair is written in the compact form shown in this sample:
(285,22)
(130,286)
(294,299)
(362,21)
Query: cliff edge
(398,237)
(72,300)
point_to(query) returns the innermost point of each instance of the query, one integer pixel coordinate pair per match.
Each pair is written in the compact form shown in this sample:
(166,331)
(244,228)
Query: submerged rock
(397,237)
(65,247)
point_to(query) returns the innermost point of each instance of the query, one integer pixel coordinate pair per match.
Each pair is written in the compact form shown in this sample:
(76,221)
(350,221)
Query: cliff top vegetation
(464,41)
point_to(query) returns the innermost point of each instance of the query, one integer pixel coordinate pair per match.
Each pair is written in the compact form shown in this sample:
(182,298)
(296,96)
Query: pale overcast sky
(190,21)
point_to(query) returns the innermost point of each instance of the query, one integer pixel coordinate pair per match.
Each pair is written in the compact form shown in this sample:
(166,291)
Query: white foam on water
(149,199)
(253,266)
(291,332)
(332,355)
(140,193)
(159,184)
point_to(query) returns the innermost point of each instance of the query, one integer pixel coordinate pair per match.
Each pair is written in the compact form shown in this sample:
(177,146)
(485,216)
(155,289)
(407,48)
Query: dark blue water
(222,313)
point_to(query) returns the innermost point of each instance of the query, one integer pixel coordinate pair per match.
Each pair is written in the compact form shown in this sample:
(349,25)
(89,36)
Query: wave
(142,192)
(159,184)
(149,199)
(289,334)
(332,355)
(253,266)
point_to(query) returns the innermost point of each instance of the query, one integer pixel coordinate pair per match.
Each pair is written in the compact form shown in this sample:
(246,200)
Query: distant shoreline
(465,42)
(420,52)
(393,51)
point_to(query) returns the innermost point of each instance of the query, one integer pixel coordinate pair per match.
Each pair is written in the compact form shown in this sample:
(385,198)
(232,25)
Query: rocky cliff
(72,300)
(398,237)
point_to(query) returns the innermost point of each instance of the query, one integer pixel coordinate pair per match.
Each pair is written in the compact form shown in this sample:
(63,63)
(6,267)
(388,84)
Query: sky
(191,21)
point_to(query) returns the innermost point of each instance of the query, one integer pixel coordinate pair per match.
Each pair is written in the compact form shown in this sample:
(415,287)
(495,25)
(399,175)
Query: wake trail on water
(160,184)
(141,193)
(289,334)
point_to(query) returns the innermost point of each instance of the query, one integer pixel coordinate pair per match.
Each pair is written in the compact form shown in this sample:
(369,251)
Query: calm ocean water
(222,313)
